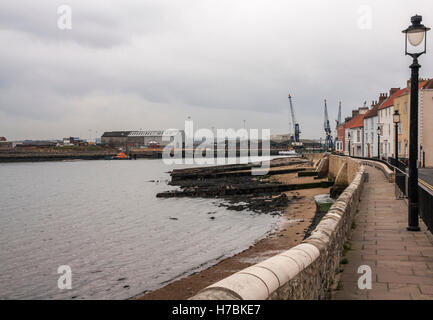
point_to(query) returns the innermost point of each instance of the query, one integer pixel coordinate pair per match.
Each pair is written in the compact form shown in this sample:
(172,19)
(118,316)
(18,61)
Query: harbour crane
(327,127)
(338,122)
(296,130)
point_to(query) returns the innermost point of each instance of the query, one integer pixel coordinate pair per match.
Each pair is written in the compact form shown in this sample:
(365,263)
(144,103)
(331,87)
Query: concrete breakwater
(305,271)
(34,154)
(34,157)
(236,184)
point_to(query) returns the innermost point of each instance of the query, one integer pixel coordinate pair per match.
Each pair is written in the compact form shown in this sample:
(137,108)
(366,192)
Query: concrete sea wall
(307,270)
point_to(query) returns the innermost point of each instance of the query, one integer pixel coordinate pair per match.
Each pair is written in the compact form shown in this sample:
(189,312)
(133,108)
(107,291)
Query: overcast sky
(127,65)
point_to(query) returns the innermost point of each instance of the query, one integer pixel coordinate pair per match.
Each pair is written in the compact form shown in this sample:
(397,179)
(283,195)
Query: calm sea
(103,220)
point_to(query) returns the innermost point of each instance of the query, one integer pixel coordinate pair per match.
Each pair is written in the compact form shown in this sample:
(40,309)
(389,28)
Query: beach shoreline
(295,221)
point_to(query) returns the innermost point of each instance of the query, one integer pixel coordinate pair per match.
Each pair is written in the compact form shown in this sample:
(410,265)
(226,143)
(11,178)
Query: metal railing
(425,190)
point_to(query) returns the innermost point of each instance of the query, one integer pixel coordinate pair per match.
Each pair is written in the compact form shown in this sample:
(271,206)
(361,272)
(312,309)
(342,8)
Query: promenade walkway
(401,261)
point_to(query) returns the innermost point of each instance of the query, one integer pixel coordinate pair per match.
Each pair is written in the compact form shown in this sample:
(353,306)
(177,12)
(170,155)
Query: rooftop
(356,122)
(112,134)
(390,101)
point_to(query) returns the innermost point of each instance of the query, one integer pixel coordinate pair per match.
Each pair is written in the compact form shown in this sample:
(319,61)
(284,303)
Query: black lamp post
(379,132)
(396,119)
(416,34)
(348,139)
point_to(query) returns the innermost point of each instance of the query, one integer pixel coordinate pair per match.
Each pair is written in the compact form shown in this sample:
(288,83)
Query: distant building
(155,138)
(354,133)
(341,139)
(74,141)
(139,139)
(37,143)
(401,103)
(385,112)
(3,139)
(280,137)
(6,145)
(425,127)
(115,139)
(371,120)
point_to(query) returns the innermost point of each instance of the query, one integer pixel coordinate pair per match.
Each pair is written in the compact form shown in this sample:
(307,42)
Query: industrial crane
(338,122)
(339,116)
(296,130)
(327,127)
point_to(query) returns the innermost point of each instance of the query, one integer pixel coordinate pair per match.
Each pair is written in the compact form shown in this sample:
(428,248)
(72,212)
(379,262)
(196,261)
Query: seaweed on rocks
(256,193)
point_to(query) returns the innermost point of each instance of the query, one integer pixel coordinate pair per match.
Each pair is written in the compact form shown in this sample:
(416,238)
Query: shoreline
(296,219)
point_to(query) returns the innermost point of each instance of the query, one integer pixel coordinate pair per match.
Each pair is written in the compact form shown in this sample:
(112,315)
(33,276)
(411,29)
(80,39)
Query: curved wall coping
(389,174)
(268,277)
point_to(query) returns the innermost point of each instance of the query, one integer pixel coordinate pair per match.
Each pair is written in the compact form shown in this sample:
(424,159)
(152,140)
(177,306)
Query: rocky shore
(241,189)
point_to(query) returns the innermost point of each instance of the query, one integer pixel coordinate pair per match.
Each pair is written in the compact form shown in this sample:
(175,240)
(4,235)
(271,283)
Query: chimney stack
(393,90)
(382,97)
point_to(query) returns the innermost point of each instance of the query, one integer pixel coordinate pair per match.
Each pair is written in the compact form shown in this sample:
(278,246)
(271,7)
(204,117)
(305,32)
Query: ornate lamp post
(348,139)
(396,119)
(416,34)
(379,132)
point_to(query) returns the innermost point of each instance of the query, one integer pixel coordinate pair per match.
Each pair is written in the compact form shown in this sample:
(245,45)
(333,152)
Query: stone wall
(337,162)
(307,270)
(389,174)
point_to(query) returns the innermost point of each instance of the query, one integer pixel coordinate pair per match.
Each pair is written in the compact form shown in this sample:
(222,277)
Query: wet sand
(296,219)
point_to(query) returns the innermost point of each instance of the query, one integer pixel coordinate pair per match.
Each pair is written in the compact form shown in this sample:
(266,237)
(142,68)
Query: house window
(366,137)
(405,107)
(399,128)
(372,137)
(358,136)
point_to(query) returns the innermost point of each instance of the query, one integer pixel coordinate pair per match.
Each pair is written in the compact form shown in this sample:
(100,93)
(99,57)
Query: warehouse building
(115,139)
(141,139)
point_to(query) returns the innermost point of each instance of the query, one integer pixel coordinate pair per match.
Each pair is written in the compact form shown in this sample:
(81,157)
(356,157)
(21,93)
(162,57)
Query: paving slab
(401,262)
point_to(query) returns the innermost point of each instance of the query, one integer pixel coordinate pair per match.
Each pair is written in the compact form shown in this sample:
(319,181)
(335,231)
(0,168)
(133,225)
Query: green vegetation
(346,248)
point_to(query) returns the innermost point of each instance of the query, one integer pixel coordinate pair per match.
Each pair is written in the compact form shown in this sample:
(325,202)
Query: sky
(134,64)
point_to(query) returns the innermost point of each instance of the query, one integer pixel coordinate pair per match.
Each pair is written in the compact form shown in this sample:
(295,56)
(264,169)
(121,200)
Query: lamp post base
(413,229)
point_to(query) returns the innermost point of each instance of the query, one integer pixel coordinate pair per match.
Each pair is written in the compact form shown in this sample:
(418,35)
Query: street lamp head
(416,33)
(379,131)
(396,117)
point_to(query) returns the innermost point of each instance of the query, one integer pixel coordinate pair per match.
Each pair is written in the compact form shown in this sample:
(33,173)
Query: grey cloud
(201,58)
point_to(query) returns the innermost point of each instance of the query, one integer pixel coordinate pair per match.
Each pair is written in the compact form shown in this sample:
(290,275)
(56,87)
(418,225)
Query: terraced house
(370,127)
(385,112)
(354,132)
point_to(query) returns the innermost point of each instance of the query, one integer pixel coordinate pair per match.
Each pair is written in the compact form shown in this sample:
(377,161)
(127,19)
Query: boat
(119,156)
(289,153)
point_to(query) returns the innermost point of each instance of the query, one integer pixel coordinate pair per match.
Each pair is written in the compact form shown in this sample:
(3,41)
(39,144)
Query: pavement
(401,262)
